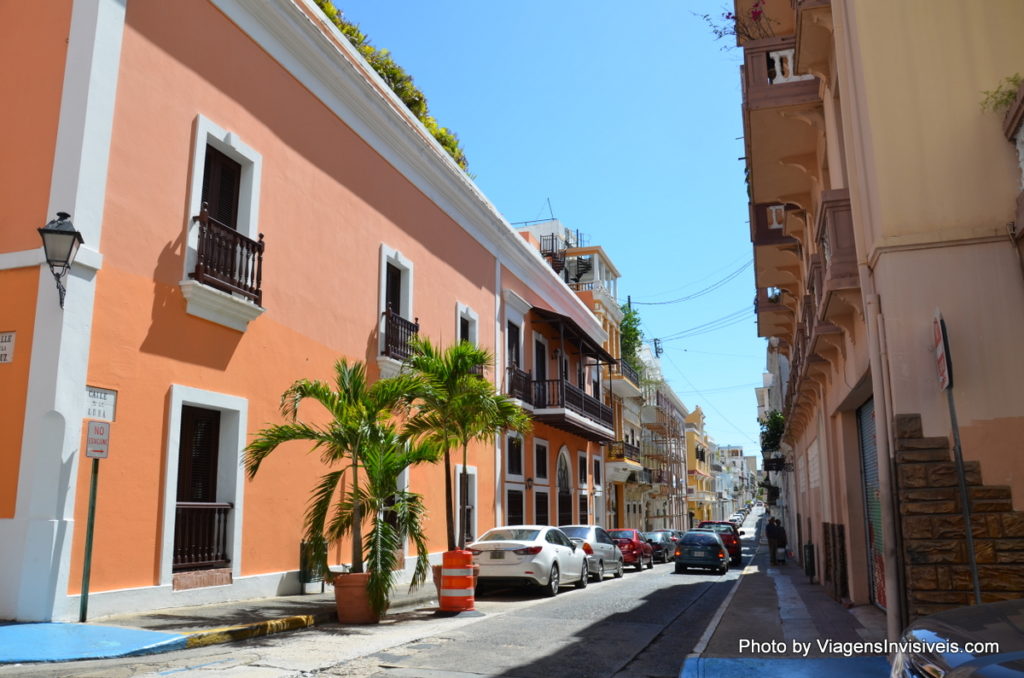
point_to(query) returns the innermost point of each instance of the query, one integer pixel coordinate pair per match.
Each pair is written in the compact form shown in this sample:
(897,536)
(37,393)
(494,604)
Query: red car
(730,537)
(635,549)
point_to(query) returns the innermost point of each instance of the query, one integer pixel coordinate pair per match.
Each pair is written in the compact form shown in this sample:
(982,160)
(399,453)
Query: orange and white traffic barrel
(457,589)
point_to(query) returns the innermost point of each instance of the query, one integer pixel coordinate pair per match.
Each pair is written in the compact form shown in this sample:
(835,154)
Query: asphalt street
(641,625)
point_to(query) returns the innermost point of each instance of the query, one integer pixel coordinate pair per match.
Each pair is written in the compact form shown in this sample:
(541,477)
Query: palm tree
(456,405)
(359,435)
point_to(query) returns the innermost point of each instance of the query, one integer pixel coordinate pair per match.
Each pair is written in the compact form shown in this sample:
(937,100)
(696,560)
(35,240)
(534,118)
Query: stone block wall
(937,571)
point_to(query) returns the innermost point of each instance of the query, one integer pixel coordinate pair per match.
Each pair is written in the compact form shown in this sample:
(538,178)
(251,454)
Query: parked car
(662,545)
(635,549)
(602,553)
(988,641)
(736,519)
(529,554)
(730,537)
(701,548)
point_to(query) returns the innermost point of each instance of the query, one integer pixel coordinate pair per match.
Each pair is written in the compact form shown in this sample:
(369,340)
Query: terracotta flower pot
(353,600)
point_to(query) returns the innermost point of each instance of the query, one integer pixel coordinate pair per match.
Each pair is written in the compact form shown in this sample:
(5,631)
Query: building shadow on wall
(173,333)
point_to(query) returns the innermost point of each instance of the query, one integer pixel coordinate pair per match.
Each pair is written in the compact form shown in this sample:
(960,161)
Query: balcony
(517,385)
(770,78)
(397,335)
(621,459)
(625,381)
(774,318)
(840,284)
(565,406)
(227,260)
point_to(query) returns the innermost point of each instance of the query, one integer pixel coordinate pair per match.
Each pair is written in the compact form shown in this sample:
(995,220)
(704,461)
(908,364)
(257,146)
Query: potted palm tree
(454,406)
(364,453)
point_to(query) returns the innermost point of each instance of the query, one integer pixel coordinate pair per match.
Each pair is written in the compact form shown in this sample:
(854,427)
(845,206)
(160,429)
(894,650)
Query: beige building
(883,194)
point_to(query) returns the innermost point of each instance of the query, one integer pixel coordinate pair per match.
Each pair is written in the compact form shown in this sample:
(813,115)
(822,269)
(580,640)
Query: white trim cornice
(323,61)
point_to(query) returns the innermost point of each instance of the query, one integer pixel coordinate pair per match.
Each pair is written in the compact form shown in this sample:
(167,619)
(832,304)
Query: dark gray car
(602,553)
(701,548)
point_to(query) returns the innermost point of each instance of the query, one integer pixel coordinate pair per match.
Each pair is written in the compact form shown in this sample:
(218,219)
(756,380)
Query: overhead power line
(700,293)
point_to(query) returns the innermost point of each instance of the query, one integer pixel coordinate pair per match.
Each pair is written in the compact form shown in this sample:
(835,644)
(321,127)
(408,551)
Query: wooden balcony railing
(560,393)
(621,450)
(397,334)
(518,385)
(201,535)
(227,260)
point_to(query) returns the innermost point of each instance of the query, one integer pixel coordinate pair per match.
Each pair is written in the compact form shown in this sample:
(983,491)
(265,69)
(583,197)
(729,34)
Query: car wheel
(664,557)
(599,577)
(552,588)
(620,570)
(650,563)
(639,563)
(584,576)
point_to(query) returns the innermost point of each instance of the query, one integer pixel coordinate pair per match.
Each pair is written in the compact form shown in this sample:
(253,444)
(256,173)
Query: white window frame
(464,312)
(516,309)
(474,499)
(388,366)
(512,477)
(533,506)
(597,473)
(537,336)
(205,302)
(517,487)
(583,483)
(546,481)
(230,475)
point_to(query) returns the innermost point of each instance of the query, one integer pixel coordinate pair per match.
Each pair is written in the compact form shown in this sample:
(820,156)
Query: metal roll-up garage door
(872,502)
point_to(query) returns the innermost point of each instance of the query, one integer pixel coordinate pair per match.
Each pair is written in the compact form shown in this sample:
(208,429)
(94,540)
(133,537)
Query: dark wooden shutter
(516,508)
(515,456)
(393,289)
(221,178)
(197,454)
(513,346)
(464,329)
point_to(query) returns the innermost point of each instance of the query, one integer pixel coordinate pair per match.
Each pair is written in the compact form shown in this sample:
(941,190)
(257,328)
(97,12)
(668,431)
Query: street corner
(56,642)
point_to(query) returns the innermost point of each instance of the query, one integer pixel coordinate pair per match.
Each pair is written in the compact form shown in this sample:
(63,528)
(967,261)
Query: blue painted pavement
(49,642)
(833,667)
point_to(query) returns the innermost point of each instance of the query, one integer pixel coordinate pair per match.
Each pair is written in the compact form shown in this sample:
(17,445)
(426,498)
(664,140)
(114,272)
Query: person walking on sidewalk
(771,531)
(783,543)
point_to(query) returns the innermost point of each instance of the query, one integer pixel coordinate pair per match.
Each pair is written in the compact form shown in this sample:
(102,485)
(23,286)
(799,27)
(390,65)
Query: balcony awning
(574,335)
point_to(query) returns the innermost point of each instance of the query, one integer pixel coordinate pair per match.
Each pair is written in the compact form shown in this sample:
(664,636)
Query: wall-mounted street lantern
(60,243)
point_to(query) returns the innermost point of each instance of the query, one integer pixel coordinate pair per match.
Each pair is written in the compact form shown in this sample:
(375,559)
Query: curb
(230,634)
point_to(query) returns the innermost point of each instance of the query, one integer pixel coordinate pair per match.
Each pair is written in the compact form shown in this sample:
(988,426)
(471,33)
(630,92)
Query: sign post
(97,446)
(944,370)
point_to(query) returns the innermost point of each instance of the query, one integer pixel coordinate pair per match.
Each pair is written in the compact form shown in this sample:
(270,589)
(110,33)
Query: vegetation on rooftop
(631,337)
(1002,97)
(400,82)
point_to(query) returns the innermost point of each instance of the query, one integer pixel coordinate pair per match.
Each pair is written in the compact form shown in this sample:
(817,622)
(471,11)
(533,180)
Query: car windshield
(718,528)
(657,536)
(506,534)
(578,532)
(621,534)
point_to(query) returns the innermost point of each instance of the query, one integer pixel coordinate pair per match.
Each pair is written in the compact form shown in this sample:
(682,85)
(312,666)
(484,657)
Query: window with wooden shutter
(393,289)
(222,177)
(197,454)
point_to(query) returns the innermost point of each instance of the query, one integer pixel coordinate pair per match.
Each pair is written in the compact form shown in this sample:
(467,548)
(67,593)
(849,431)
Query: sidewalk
(773,623)
(181,628)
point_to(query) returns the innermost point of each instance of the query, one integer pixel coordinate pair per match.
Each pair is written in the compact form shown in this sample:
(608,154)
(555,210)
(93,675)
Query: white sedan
(531,554)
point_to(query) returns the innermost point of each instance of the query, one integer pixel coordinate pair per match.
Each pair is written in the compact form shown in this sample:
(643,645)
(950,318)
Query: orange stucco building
(254,203)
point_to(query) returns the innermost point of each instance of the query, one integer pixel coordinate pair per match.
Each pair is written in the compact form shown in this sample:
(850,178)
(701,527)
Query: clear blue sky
(628,120)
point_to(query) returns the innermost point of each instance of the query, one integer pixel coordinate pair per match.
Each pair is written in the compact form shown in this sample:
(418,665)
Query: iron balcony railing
(626,370)
(518,385)
(620,449)
(560,393)
(227,260)
(397,335)
(201,535)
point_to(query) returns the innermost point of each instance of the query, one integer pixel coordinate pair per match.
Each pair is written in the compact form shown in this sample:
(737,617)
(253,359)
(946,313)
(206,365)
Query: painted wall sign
(97,439)
(101,403)
(7,347)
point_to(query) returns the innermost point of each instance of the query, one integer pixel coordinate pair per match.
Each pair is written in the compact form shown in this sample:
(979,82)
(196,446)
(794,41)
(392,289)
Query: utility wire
(710,404)
(707,290)
(698,281)
(717,323)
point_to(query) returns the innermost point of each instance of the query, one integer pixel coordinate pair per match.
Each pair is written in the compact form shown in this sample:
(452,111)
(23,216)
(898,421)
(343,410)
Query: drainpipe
(879,362)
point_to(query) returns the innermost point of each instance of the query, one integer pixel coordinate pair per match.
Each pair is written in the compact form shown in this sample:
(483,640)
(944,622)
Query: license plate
(497,555)
(698,553)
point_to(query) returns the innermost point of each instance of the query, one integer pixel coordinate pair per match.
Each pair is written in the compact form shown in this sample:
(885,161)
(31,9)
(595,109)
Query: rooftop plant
(400,82)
